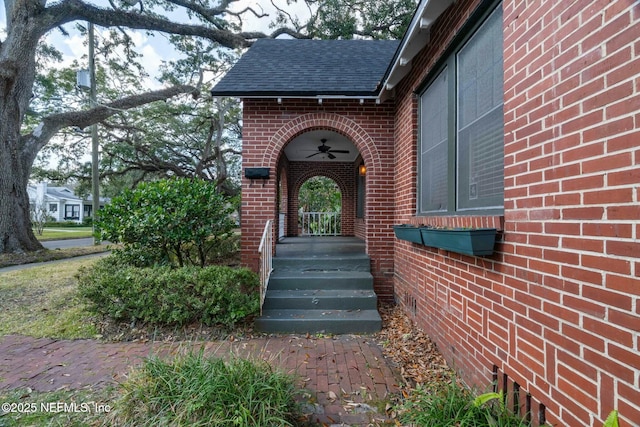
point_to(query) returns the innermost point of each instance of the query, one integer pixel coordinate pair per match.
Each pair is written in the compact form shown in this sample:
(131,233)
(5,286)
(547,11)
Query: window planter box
(408,232)
(472,241)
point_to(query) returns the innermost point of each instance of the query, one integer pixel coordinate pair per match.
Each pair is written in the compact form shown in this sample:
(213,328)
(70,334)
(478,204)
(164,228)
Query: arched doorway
(319,207)
(315,164)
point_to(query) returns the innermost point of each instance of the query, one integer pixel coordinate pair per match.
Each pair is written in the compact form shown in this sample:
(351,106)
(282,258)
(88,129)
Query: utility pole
(95,171)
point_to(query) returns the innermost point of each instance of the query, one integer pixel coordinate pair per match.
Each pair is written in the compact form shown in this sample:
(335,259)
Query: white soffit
(416,38)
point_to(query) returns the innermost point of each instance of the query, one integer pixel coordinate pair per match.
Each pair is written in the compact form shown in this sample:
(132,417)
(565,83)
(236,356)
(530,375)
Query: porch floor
(320,246)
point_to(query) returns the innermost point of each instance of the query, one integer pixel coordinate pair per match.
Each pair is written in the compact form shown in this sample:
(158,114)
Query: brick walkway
(341,374)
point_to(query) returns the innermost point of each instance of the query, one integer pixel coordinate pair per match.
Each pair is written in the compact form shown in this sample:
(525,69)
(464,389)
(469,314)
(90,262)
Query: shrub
(61,224)
(176,221)
(454,405)
(167,296)
(194,390)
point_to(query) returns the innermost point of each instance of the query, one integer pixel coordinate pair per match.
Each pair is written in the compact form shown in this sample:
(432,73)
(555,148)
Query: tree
(320,194)
(346,19)
(28,21)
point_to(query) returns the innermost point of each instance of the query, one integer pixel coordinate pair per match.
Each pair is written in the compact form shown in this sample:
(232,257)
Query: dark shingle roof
(277,67)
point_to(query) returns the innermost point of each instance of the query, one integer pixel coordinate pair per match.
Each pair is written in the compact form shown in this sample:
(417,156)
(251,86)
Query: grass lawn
(61,233)
(41,302)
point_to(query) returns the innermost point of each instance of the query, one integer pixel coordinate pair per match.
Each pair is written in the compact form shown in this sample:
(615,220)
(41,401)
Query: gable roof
(290,67)
(62,193)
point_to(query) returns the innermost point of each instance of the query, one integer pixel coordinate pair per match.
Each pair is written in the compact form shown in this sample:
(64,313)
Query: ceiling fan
(325,149)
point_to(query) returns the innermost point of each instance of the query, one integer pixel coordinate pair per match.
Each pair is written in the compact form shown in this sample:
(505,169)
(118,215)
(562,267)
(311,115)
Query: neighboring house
(61,203)
(521,116)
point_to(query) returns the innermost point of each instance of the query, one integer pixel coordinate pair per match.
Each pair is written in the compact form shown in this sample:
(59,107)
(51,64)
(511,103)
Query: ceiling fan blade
(314,154)
(339,151)
(331,156)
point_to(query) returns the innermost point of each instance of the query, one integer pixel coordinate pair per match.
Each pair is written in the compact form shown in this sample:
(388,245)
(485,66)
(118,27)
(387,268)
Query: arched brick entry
(323,120)
(269,126)
(341,173)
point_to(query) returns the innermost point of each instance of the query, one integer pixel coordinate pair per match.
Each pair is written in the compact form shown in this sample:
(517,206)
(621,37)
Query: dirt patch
(109,330)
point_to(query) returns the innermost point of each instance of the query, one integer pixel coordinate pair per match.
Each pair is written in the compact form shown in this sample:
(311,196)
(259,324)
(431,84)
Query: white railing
(320,224)
(266,260)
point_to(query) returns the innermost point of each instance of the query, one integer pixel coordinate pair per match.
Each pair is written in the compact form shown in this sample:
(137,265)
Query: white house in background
(60,202)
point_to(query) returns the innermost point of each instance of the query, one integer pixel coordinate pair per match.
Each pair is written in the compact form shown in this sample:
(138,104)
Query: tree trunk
(17,74)
(16,159)
(16,235)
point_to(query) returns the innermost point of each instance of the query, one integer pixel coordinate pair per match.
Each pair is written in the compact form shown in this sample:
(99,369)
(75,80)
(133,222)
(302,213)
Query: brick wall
(556,311)
(269,126)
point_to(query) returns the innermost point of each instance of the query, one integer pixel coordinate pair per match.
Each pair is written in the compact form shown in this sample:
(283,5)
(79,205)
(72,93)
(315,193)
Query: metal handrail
(266,260)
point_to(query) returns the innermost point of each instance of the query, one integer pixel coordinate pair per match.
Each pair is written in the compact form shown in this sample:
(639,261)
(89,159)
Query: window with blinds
(462,127)
(434,146)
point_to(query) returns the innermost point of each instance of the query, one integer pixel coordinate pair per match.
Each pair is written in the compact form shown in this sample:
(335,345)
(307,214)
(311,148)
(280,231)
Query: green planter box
(472,241)
(409,233)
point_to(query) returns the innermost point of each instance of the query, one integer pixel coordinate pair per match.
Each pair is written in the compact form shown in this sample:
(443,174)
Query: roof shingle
(290,67)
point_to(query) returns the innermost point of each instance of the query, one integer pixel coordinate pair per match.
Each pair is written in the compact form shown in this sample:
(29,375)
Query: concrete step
(320,285)
(353,262)
(319,321)
(281,280)
(321,299)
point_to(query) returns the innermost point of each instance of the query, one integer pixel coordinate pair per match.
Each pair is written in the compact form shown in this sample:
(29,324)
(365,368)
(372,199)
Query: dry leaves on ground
(415,354)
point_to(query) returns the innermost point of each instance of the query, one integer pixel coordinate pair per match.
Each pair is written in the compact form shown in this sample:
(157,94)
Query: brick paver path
(341,373)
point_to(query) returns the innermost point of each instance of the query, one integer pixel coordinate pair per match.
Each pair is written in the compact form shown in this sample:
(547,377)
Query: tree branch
(71,10)
(82,119)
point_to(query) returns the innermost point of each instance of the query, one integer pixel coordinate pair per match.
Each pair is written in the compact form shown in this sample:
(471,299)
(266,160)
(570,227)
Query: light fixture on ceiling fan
(325,149)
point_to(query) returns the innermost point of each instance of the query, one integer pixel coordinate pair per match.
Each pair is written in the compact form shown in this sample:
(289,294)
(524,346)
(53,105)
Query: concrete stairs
(320,289)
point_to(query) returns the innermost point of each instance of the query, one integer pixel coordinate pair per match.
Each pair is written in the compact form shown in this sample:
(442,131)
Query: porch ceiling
(305,145)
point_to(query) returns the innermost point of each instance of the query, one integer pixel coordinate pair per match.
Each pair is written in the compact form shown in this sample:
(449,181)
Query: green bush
(62,224)
(175,221)
(454,405)
(170,296)
(194,390)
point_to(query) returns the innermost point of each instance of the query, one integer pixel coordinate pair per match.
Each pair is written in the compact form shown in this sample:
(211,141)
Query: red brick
(586,213)
(608,229)
(607,297)
(609,364)
(625,212)
(623,248)
(625,177)
(618,195)
(601,262)
(626,284)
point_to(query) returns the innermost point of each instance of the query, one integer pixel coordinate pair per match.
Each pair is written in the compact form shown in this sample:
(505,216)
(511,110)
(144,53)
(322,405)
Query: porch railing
(320,224)
(266,260)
